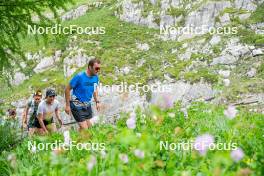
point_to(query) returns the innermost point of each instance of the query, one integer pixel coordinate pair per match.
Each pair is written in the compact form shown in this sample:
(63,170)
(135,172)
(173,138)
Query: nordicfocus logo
(132,88)
(166,30)
(58,144)
(59,29)
(190,146)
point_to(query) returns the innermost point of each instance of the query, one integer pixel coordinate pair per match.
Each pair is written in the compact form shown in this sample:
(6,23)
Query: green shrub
(8,136)
(258,15)
(153,125)
(4,167)
(250,37)
(261,69)
(260,42)
(176,12)
(201,73)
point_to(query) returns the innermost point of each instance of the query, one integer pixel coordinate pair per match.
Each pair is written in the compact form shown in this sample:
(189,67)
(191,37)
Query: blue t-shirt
(83,86)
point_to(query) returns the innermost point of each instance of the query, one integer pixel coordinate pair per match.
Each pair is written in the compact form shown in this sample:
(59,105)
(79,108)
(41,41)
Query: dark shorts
(81,111)
(46,122)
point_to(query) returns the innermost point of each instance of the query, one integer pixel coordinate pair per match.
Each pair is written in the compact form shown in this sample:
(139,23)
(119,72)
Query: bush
(4,167)
(202,73)
(250,37)
(176,12)
(258,15)
(8,136)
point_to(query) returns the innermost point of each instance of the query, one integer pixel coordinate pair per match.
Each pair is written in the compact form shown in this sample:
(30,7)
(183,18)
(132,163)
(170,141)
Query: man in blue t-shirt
(84,86)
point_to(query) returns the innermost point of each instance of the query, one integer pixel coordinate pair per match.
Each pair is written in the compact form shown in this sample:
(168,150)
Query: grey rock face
(232,53)
(186,93)
(125,70)
(215,40)
(19,103)
(258,28)
(175,3)
(225,19)
(257,52)
(132,13)
(167,20)
(74,61)
(252,97)
(226,82)
(186,56)
(197,22)
(153,2)
(245,4)
(205,15)
(143,46)
(18,78)
(244,16)
(224,73)
(115,100)
(225,60)
(165,4)
(238,50)
(44,64)
(251,73)
(75,13)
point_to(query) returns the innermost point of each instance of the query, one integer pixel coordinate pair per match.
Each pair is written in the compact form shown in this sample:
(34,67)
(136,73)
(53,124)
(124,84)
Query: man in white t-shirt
(47,109)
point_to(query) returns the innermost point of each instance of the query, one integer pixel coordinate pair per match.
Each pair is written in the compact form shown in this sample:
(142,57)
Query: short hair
(92,61)
(38,93)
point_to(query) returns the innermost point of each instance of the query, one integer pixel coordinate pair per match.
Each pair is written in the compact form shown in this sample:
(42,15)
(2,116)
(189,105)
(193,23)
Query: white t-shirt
(48,110)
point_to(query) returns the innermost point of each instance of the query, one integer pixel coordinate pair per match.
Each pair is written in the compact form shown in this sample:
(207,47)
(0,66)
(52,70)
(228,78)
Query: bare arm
(57,113)
(95,95)
(67,98)
(40,119)
(96,99)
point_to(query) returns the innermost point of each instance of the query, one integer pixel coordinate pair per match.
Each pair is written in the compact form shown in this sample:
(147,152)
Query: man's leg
(52,127)
(40,131)
(89,124)
(31,131)
(37,128)
(83,125)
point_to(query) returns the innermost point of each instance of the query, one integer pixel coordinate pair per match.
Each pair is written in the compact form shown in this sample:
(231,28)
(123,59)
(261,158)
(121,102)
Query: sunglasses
(97,68)
(52,96)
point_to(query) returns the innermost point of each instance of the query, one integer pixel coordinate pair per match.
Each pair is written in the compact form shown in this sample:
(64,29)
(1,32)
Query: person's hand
(67,109)
(46,132)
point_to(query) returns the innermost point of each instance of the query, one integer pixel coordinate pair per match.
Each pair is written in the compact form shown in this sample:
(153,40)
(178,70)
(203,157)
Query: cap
(50,92)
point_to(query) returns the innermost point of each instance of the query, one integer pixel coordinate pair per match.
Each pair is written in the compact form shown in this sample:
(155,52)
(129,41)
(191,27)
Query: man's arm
(25,114)
(57,113)
(67,98)
(96,99)
(40,119)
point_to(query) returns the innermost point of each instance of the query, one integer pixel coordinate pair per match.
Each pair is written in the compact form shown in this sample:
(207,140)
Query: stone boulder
(75,13)
(74,61)
(245,4)
(185,92)
(205,15)
(18,78)
(44,64)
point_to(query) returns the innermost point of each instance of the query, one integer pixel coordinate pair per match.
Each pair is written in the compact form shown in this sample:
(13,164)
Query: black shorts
(81,111)
(46,122)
